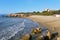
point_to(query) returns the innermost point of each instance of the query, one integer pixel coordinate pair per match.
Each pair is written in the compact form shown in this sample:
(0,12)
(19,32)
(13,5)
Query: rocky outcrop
(18,15)
(26,37)
(36,34)
(58,38)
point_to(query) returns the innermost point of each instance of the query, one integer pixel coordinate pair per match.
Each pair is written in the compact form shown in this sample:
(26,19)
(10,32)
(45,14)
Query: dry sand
(50,22)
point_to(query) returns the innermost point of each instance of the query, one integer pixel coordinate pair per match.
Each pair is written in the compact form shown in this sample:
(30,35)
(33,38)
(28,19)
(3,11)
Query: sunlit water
(14,28)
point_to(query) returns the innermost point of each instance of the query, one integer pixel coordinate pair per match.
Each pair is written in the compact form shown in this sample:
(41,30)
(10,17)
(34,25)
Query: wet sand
(50,22)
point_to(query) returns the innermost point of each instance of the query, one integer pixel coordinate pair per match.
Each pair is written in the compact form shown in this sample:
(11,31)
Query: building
(49,10)
(57,15)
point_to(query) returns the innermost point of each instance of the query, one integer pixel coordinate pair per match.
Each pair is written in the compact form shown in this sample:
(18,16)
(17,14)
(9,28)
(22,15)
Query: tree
(58,10)
(47,13)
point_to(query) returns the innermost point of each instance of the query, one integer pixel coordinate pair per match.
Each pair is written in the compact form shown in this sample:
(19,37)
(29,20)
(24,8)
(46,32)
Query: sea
(12,28)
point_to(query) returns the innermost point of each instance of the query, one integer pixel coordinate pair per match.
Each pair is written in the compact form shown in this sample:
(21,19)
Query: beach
(50,22)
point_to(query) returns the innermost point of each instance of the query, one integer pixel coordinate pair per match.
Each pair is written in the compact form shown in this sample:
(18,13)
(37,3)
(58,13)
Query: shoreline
(50,22)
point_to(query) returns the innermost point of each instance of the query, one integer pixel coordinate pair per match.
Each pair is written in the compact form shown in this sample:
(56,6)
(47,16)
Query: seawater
(14,28)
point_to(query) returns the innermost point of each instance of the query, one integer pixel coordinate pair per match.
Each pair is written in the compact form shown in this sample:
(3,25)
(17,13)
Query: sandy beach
(50,22)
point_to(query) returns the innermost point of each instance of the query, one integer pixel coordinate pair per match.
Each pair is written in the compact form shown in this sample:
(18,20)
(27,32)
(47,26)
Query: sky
(14,6)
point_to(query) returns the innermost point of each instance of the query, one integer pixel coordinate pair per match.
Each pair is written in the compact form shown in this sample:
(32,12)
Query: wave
(11,31)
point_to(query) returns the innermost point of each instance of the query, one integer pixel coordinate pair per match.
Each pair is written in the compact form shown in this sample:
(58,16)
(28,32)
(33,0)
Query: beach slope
(50,22)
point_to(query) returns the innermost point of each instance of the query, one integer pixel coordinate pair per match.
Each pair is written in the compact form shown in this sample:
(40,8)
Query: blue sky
(13,6)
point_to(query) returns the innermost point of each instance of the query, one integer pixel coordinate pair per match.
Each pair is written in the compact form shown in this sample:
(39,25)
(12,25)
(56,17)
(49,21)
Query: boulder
(39,37)
(37,34)
(58,38)
(36,30)
(26,37)
(48,34)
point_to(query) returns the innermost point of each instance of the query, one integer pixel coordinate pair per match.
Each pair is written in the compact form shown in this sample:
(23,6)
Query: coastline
(50,22)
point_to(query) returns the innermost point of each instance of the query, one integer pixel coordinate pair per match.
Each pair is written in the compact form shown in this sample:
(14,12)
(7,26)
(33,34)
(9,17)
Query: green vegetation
(26,14)
(40,13)
(47,13)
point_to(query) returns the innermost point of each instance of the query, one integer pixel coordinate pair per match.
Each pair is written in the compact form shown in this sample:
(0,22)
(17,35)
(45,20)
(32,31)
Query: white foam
(11,31)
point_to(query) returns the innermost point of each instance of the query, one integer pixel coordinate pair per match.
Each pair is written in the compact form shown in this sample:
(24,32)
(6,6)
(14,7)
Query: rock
(54,35)
(48,34)
(36,30)
(58,38)
(26,37)
(39,37)
(37,34)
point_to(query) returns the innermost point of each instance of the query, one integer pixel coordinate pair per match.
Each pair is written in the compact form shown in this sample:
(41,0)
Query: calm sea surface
(14,28)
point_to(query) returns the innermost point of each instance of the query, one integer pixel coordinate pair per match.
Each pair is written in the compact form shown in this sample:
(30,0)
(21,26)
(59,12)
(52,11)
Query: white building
(57,15)
(49,10)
